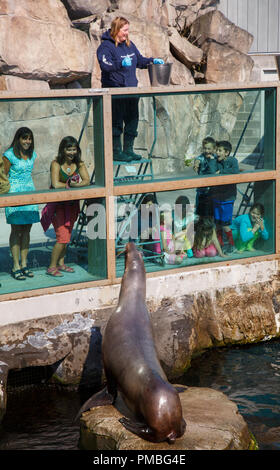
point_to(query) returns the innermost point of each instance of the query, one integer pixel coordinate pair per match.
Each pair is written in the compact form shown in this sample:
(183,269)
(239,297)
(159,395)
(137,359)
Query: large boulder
(180,74)
(213,423)
(82,8)
(38,42)
(182,13)
(148,9)
(183,50)
(225,46)
(13,83)
(227,65)
(216,27)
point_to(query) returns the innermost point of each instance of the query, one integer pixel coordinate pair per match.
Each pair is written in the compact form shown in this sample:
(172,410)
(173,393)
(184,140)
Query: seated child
(247,228)
(206,242)
(173,254)
(223,196)
(183,219)
(205,164)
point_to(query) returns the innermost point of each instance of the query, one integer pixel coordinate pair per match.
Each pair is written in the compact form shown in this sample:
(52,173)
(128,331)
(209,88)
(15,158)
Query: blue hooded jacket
(110,58)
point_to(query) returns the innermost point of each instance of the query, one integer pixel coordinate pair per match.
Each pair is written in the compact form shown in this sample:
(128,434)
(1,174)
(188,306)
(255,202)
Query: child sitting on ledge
(173,254)
(247,228)
(206,243)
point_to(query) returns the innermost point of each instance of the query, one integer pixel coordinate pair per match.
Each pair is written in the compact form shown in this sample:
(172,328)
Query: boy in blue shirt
(223,196)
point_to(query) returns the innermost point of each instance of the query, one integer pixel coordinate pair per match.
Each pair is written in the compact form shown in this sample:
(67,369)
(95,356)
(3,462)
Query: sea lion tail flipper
(101,398)
(140,429)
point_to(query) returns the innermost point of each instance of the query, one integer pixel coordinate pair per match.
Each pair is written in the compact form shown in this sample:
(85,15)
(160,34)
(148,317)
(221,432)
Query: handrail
(99,92)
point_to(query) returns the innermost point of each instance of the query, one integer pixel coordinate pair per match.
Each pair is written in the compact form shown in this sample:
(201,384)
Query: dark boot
(128,148)
(118,155)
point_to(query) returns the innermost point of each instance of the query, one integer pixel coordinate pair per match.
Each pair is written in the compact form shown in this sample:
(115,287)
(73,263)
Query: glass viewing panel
(160,137)
(50,121)
(85,257)
(193,226)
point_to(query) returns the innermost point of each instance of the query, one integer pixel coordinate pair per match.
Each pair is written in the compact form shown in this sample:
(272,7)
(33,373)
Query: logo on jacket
(105,60)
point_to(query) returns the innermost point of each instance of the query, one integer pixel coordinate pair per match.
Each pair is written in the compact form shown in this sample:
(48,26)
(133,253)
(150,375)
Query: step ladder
(136,171)
(246,200)
(124,172)
(124,231)
(247,195)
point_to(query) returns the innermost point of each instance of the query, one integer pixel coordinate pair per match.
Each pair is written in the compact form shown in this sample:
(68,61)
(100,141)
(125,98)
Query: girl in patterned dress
(18,162)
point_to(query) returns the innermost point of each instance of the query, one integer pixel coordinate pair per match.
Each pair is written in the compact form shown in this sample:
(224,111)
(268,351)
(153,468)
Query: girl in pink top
(206,242)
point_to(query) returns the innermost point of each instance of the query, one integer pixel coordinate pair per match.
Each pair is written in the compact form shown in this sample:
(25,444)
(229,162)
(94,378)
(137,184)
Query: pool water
(40,417)
(249,376)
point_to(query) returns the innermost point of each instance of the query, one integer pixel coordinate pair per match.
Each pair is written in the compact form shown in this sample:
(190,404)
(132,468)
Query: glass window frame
(109,190)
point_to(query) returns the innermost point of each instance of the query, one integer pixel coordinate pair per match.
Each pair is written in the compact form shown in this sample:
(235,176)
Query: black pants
(204,203)
(125,116)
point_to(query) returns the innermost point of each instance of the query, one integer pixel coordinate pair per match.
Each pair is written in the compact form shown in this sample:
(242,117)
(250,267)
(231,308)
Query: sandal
(54,272)
(18,275)
(65,268)
(26,272)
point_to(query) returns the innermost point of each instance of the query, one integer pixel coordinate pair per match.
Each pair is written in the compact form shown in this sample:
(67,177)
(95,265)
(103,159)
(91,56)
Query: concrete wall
(171,285)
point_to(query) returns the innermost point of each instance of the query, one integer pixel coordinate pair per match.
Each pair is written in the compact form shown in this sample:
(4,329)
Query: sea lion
(131,364)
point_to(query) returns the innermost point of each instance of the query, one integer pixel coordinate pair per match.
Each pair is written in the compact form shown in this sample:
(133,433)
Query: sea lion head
(134,278)
(163,413)
(133,257)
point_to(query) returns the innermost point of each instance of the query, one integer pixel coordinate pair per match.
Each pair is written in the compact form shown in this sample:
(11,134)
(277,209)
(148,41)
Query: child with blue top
(223,196)
(247,228)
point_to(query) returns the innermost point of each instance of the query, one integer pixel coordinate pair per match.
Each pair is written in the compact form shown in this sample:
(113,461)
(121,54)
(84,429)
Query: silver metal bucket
(159,74)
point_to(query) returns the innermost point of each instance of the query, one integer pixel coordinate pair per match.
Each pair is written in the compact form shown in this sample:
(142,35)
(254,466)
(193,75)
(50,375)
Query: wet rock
(4,369)
(213,423)
(187,326)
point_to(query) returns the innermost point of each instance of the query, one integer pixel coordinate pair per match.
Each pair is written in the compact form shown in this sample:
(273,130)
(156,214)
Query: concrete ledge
(171,285)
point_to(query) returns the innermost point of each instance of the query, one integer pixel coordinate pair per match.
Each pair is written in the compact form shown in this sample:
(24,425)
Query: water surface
(249,376)
(40,417)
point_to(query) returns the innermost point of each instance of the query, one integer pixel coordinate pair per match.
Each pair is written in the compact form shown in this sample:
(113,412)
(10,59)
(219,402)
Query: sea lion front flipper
(101,398)
(140,429)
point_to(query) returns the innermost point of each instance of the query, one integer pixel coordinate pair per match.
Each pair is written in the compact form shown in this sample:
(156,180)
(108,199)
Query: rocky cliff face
(54,42)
